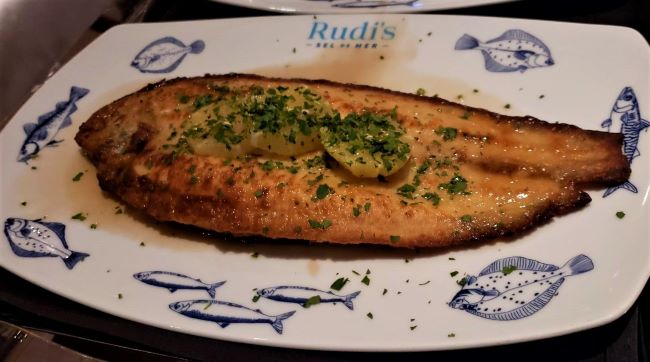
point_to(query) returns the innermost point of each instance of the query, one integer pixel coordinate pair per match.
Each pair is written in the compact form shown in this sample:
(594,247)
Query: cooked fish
(290,158)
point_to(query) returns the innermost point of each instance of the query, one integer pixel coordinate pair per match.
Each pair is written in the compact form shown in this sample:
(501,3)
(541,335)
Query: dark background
(65,26)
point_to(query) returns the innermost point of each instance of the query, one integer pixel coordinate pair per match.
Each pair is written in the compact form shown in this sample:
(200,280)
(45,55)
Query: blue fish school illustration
(164,55)
(300,295)
(175,281)
(226,313)
(626,117)
(37,238)
(515,287)
(43,133)
(515,50)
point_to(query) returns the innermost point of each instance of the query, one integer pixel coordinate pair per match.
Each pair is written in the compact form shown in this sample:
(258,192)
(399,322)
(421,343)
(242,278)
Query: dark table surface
(104,336)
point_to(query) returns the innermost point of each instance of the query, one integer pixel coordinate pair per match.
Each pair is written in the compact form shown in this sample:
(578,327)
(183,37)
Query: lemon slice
(367,144)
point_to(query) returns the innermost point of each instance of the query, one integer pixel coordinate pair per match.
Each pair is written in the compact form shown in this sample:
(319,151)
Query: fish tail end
(212,290)
(197,46)
(74,258)
(580,264)
(466,42)
(277,323)
(78,92)
(627,185)
(348,300)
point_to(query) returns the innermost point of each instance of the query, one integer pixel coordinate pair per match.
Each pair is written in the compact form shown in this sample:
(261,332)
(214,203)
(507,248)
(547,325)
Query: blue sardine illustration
(226,313)
(498,295)
(43,133)
(164,55)
(175,281)
(514,50)
(37,238)
(626,116)
(300,295)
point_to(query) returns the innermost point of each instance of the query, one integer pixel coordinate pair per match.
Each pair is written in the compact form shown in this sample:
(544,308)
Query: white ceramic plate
(574,75)
(357,6)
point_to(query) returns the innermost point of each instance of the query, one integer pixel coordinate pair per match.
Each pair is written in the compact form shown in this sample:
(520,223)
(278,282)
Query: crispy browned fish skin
(521,171)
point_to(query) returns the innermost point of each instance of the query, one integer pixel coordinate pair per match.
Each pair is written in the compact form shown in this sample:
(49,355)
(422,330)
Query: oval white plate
(407,292)
(357,6)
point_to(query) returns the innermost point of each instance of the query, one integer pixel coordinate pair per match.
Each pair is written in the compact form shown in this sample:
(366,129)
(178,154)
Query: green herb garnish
(323,190)
(466,218)
(312,301)
(365,280)
(339,283)
(79,216)
(620,214)
(508,269)
(394,239)
(420,91)
(447,133)
(369,315)
(315,224)
(454,273)
(78,176)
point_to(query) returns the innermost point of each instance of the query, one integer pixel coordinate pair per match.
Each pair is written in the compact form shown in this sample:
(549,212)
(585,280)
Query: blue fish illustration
(515,287)
(37,238)
(164,55)
(43,133)
(626,116)
(175,281)
(300,295)
(225,313)
(357,4)
(514,50)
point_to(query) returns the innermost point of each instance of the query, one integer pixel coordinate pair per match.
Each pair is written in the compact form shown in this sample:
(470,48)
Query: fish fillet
(516,171)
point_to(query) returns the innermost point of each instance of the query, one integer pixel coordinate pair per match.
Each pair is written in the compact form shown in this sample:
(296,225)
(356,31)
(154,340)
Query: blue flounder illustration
(37,238)
(225,313)
(514,50)
(300,295)
(164,55)
(499,293)
(43,133)
(175,281)
(626,116)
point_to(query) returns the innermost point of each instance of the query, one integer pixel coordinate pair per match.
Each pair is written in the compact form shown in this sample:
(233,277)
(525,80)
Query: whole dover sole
(328,162)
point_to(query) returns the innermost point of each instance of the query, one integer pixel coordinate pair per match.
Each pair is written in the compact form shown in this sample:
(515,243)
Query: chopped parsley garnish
(413,327)
(452,258)
(394,238)
(466,218)
(118,210)
(369,315)
(425,283)
(433,197)
(24,203)
(451,335)
(366,207)
(384,292)
(620,214)
(507,106)
(508,269)
(423,167)
(119,296)
(462,282)
(93,226)
(365,280)
(447,133)
(78,176)
(355,272)
(323,190)
(315,224)
(457,185)
(79,216)
(406,191)
(194,180)
(420,91)
(312,301)
(356,211)
(256,297)
(466,115)
(255,255)
(259,193)
(339,283)
(454,273)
